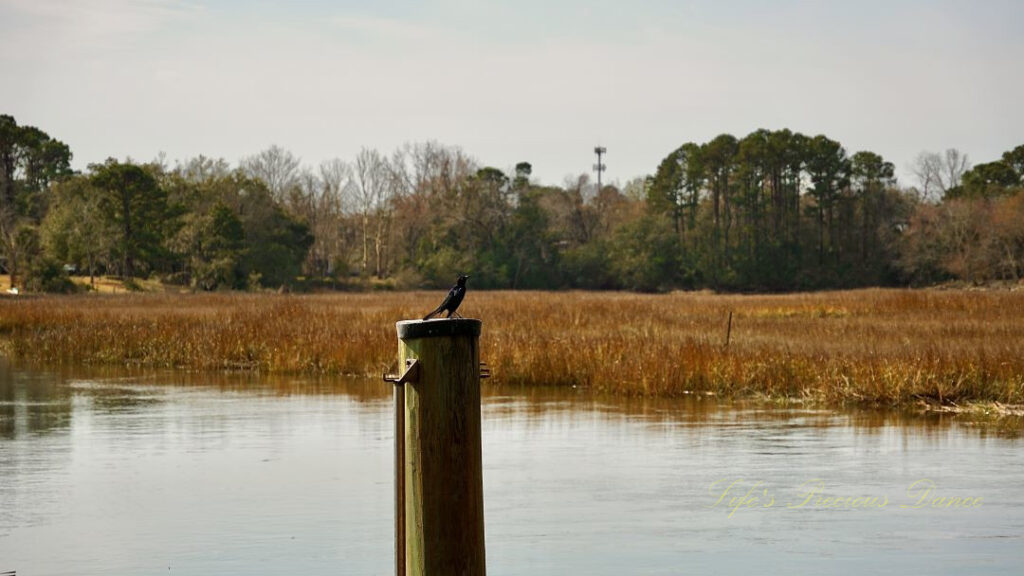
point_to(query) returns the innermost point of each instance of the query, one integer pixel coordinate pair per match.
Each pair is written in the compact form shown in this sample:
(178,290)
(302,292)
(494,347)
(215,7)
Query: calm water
(114,473)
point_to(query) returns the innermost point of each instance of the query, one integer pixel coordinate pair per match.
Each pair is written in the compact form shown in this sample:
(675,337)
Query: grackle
(452,300)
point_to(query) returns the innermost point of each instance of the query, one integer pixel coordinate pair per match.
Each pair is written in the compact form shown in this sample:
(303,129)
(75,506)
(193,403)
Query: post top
(439,327)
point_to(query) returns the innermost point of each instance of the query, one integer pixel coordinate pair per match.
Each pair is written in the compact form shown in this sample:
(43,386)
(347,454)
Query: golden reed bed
(868,346)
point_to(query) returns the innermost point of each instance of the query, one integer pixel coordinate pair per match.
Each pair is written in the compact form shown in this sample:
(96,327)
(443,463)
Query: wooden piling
(399,479)
(443,478)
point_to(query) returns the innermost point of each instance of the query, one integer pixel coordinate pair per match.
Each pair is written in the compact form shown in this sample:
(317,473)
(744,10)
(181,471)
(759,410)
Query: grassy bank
(870,346)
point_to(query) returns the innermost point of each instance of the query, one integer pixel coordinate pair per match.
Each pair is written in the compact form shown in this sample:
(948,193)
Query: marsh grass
(887,347)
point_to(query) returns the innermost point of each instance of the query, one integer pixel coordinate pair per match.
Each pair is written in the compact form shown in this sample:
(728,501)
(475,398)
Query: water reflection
(699,411)
(360,389)
(140,470)
(31,402)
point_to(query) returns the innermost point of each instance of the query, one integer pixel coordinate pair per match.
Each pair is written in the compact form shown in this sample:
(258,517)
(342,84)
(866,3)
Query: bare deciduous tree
(276,167)
(335,180)
(431,168)
(373,188)
(937,173)
(202,168)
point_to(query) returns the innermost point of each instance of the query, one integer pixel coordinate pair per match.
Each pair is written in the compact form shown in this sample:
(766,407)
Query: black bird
(452,300)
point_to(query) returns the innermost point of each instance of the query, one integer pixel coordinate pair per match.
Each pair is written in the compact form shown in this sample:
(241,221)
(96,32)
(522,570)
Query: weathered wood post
(441,485)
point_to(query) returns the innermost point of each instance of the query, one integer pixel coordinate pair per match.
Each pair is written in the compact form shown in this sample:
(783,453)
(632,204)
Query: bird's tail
(434,313)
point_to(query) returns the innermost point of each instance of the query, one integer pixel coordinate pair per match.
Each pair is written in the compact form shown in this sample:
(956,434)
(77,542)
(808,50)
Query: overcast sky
(512,80)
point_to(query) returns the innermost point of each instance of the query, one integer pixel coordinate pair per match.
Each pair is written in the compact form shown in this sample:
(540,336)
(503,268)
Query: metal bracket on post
(411,374)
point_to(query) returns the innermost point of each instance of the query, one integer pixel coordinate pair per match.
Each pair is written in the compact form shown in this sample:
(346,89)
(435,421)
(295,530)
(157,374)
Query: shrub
(47,275)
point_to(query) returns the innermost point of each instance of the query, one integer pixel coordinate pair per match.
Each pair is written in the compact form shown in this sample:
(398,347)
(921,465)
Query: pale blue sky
(512,80)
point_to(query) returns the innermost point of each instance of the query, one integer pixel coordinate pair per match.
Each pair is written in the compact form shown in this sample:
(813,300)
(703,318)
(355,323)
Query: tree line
(772,211)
